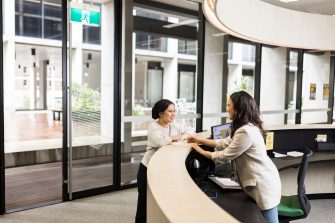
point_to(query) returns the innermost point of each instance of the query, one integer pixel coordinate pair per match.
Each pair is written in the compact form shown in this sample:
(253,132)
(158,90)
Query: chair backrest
(303,200)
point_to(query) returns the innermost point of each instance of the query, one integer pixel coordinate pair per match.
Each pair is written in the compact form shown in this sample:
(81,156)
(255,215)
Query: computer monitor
(221,131)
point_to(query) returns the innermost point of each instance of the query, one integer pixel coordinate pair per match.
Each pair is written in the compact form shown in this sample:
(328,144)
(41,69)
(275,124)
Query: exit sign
(85,14)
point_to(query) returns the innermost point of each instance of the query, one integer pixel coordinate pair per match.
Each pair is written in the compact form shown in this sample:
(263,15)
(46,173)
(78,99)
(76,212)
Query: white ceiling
(188,4)
(324,7)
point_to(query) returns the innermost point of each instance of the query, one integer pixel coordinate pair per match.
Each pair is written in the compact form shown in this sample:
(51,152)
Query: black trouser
(141,213)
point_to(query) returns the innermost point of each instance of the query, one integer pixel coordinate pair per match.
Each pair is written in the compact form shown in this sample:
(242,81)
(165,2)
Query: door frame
(2,134)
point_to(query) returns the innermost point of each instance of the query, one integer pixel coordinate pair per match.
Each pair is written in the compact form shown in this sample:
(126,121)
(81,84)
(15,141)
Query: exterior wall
(212,75)
(9,54)
(107,69)
(170,76)
(140,79)
(273,77)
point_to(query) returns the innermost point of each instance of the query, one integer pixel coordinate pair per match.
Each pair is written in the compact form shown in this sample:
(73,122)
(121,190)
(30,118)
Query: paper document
(279,154)
(269,140)
(294,154)
(225,183)
(321,138)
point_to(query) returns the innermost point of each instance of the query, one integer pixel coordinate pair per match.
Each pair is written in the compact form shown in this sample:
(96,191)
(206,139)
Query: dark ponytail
(159,107)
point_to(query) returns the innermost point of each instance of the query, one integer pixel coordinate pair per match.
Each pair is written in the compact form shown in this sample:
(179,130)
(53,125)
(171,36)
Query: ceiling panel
(188,4)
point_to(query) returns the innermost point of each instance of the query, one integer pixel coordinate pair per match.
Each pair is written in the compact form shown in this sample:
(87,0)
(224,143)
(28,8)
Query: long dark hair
(246,111)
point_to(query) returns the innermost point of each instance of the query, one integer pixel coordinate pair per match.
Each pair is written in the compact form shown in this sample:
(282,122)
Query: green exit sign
(85,14)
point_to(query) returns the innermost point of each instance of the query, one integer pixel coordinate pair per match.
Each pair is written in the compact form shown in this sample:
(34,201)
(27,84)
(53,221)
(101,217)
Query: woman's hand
(176,138)
(185,136)
(180,137)
(193,139)
(201,151)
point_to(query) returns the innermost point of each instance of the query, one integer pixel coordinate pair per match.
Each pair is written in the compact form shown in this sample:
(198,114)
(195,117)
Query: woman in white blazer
(162,131)
(245,146)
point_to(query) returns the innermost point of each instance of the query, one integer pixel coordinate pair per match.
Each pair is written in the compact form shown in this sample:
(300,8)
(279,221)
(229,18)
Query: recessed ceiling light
(219,34)
(181,23)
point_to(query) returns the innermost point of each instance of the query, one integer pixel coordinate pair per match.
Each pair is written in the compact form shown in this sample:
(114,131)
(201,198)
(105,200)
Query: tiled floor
(37,184)
(31,125)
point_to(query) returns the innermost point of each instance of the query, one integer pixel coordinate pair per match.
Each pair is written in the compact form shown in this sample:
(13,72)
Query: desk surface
(181,200)
(286,162)
(299,127)
(178,198)
(232,201)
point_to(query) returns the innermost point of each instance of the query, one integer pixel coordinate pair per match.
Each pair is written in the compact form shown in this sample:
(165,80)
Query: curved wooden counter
(172,194)
(174,197)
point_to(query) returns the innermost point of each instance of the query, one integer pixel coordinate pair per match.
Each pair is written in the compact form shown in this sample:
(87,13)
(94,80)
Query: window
(315,87)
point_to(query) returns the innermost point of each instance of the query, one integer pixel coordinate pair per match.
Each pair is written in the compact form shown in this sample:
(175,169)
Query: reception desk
(176,195)
(173,196)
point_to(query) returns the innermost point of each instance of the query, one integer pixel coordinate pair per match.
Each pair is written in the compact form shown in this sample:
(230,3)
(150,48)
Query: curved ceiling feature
(323,7)
(259,21)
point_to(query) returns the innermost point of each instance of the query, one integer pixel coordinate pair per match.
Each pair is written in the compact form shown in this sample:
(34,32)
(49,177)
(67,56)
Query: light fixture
(186,22)
(219,34)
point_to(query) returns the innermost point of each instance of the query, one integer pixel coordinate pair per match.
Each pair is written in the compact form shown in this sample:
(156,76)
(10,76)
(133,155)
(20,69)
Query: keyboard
(225,183)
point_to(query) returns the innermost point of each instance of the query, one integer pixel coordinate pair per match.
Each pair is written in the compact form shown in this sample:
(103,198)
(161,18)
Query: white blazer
(256,172)
(159,136)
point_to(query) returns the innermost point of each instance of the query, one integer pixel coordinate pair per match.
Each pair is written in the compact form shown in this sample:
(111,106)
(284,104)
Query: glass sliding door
(32,105)
(186,82)
(91,103)
(241,66)
(152,58)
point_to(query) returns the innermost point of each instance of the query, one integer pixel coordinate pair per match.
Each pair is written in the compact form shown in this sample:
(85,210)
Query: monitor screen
(221,131)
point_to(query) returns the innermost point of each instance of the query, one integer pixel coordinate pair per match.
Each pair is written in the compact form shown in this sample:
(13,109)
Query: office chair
(297,206)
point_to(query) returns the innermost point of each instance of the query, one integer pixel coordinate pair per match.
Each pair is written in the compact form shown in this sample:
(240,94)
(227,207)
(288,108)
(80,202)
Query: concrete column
(170,75)
(273,80)
(77,59)
(107,68)
(9,55)
(77,52)
(170,78)
(213,74)
(43,84)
